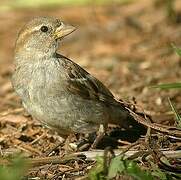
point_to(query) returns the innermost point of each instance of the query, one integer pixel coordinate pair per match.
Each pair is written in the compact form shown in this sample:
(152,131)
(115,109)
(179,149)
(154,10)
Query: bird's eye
(44,28)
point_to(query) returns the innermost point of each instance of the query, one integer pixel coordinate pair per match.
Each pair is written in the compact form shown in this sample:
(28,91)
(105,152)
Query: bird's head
(41,35)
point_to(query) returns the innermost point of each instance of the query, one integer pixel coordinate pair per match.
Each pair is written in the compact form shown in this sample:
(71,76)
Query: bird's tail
(122,117)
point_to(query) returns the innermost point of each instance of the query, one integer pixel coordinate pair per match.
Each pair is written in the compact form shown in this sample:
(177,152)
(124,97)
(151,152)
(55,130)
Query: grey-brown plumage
(57,91)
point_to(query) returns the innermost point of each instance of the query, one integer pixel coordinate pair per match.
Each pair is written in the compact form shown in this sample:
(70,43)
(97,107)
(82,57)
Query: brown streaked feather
(81,83)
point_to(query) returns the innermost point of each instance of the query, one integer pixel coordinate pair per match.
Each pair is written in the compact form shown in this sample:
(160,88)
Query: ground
(128,47)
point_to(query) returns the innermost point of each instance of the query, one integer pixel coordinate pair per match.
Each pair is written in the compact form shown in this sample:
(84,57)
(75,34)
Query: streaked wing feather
(82,83)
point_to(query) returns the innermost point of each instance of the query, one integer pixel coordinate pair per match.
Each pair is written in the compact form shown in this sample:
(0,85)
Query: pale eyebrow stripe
(24,34)
(29,31)
(36,28)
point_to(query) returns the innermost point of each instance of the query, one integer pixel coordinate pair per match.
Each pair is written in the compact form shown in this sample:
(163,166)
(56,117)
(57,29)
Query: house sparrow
(57,91)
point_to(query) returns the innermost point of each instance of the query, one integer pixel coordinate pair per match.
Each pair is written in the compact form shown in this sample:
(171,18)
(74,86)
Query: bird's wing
(81,83)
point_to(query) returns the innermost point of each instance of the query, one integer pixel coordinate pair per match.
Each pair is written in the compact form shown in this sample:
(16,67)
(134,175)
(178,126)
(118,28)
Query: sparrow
(57,91)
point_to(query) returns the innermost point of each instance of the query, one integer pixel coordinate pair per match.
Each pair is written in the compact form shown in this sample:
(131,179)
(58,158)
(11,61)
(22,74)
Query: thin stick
(89,155)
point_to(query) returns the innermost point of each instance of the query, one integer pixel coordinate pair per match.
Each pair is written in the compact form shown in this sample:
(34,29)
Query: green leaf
(15,171)
(157,172)
(116,167)
(177,116)
(168,86)
(96,172)
(176,49)
(135,171)
(122,166)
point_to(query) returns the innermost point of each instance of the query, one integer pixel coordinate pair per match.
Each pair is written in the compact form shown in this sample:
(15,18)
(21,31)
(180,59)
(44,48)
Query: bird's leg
(100,135)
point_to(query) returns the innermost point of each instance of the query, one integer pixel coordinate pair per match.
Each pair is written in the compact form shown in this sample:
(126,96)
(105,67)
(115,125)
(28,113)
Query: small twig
(12,111)
(28,148)
(37,139)
(169,168)
(129,147)
(124,142)
(70,171)
(91,155)
(54,159)
(53,149)
(48,160)
(139,154)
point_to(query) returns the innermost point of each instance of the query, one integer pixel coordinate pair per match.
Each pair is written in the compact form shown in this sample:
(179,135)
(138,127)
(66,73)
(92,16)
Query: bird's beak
(63,31)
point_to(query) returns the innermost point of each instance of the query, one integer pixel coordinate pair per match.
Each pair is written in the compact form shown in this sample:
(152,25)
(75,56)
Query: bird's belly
(66,113)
